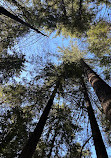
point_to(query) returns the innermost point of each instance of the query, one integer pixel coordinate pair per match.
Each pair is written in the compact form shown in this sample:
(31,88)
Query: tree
(102,90)
(30,146)
(60,131)
(69,18)
(96,134)
(94,126)
(22,102)
(62,72)
(64,16)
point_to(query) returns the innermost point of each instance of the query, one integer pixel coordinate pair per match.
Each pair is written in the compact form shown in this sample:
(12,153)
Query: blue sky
(36,47)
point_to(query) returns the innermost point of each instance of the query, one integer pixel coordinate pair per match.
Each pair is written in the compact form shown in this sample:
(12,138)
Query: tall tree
(68,17)
(102,89)
(60,131)
(30,146)
(94,126)
(96,134)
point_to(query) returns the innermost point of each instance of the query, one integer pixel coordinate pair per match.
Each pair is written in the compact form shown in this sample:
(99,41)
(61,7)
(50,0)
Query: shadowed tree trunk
(16,18)
(31,144)
(96,134)
(102,90)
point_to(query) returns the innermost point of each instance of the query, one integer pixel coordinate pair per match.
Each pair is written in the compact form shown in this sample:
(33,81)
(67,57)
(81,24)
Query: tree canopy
(60,70)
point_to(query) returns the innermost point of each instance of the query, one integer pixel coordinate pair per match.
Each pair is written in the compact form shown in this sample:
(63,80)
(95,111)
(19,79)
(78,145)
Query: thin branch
(84,145)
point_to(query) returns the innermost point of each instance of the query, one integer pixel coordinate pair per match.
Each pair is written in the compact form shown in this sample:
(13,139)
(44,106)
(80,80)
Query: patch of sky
(104,12)
(39,50)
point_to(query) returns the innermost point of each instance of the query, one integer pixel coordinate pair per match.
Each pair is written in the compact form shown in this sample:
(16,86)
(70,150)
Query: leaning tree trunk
(102,90)
(16,18)
(31,144)
(98,141)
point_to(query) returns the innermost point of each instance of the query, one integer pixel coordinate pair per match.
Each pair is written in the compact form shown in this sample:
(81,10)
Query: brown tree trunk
(31,144)
(102,90)
(16,18)
(96,134)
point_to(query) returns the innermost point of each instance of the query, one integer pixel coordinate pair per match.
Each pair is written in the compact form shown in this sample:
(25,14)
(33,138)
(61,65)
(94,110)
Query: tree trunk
(98,141)
(102,90)
(31,144)
(16,18)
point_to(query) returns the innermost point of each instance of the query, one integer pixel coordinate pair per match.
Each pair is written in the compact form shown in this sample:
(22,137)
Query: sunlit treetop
(99,38)
(70,54)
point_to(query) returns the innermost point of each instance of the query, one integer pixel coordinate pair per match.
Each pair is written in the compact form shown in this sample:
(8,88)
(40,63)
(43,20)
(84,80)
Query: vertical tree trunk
(31,144)
(16,18)
(98,141)
(102,90)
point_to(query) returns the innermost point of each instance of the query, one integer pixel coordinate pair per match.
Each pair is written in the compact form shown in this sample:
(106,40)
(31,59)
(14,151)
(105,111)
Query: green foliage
(105,61)
(15,94)
(9,31)
(71,53)
(64,16)
(23,103)
(10,65)
(61,132)
(71,56)
(14,131)
(99,38)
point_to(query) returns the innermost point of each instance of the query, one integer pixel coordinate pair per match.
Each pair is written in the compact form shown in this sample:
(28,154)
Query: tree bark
(102,90)
(16,18)
(31,144)
(96,134)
